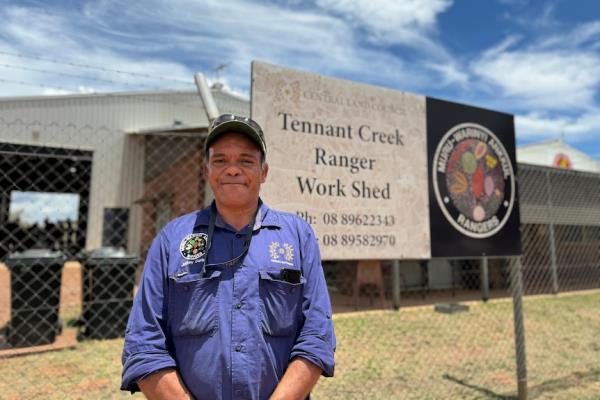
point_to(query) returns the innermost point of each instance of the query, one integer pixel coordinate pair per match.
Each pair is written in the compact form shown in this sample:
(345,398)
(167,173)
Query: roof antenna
(217,70)
(561,134)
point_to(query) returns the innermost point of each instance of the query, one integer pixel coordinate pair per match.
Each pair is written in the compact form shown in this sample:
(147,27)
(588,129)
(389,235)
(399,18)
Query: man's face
(235,170)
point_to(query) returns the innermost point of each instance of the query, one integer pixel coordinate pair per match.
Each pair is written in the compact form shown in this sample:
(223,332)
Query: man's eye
(248,162)
(218,162)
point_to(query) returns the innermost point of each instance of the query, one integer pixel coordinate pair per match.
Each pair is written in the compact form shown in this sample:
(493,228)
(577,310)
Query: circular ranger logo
(473,180)
(193,246)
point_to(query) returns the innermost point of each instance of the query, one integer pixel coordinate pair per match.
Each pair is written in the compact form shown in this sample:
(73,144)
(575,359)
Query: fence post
(516,285)
(552,239)
(396,284)
(485,280)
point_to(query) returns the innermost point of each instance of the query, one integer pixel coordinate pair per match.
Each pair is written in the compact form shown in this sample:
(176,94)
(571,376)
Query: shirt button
(238,305)
(238,348)
(238,235)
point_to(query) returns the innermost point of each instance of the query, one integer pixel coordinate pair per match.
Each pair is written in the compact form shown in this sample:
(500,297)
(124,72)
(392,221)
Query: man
(233,303)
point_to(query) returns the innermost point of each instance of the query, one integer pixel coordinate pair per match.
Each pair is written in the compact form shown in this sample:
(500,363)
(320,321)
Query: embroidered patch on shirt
(193,246)
(283,254)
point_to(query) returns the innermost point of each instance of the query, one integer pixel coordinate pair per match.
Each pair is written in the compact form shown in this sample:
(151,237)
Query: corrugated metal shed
(106,125)
(551,152)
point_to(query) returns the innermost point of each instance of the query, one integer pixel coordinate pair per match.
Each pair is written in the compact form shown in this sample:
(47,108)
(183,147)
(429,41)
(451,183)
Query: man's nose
(232,169)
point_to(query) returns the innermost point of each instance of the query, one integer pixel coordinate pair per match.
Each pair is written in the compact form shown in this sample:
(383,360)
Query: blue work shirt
(230,329)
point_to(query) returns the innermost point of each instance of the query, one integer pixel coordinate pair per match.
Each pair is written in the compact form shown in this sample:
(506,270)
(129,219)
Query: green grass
(421,354)
(412,354)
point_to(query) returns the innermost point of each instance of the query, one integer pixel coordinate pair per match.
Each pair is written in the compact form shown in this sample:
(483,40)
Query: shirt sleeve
(316,341)
(145,350)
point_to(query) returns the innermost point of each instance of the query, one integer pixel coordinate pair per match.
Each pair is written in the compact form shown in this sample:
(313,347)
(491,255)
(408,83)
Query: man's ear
(205,170)
(265,172)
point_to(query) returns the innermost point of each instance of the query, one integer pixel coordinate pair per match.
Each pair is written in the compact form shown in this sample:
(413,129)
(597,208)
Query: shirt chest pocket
(193,304)
(280,304)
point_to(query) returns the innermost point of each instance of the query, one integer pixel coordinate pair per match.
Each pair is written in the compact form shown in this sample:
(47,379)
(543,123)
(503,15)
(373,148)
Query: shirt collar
(265,217)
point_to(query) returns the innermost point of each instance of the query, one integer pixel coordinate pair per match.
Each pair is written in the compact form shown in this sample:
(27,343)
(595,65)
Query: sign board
(473,194)
(382,174)
(351,159)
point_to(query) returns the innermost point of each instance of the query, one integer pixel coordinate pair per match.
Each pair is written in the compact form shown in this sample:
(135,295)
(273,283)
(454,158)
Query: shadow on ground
(566,382)
(576,379)
(484,391)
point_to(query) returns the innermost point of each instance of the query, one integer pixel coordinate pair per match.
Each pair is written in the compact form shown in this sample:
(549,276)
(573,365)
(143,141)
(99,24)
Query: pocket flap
(276,277)
(187,278)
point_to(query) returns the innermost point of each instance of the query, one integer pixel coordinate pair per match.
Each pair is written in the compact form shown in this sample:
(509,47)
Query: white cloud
(304,39)
(389,17)
(43,34)
(71,43)
(170,40)
(543,79)
(586,34)
(552,82)
(556,71)
(544,125)
(534,16)
(536,125)
(407,22)
(55,92)
(503,46)
(451,73)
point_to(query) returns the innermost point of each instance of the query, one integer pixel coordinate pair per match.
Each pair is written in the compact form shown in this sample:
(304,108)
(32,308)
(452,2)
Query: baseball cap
(233,123)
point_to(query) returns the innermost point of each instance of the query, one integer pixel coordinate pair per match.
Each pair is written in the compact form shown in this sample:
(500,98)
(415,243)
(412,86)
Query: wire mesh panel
(173,182)
(35,295)
(73,189)
(560,228)
(96,196)
(560,213)
(440,347)
(108,279)
(41,176)
(356,286)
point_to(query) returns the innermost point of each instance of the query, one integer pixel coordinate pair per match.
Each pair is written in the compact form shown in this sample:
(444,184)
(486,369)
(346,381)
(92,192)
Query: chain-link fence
(560,231)
(80,205)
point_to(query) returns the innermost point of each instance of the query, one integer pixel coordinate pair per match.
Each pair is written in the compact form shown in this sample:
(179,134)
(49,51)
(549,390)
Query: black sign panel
(474,208)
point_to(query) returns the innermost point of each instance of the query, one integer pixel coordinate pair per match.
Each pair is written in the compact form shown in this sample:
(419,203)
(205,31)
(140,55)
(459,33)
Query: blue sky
(539,60)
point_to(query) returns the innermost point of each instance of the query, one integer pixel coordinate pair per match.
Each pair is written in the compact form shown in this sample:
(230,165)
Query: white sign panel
(349,158)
